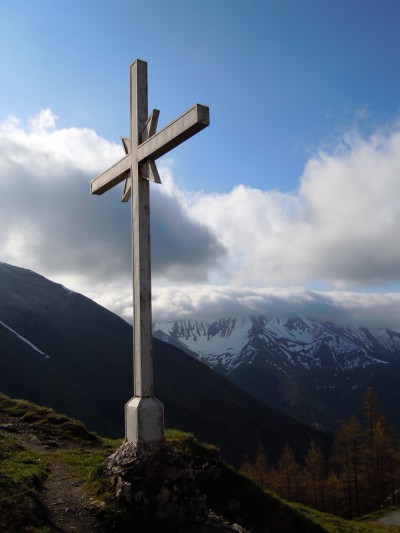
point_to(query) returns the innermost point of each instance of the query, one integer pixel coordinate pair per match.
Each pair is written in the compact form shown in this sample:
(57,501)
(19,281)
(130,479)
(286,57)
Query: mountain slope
(86,372)
(312,370)
(46,483)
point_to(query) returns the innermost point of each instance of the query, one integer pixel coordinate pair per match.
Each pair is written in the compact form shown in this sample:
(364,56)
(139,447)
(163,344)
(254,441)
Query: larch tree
(288,471)
(347,454)
(314,470)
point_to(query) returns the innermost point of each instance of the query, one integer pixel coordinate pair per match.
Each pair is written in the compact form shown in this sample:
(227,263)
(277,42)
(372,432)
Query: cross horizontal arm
(191,122)
(112,176)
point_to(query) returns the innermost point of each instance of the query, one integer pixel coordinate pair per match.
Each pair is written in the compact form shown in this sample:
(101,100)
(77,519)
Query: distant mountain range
(60,349)
(315,371)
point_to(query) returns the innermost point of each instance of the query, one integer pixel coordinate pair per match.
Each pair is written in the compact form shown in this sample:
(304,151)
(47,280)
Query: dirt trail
(67,505)
(392,519)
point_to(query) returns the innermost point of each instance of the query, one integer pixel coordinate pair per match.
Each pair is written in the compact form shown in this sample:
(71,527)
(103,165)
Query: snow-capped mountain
(231,342)
(298,364)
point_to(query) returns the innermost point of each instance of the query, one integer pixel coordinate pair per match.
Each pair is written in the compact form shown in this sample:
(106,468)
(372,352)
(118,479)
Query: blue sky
(300,160)
(281,77)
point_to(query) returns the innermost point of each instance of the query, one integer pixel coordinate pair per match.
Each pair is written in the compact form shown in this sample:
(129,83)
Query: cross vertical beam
(141,240)
(144,415)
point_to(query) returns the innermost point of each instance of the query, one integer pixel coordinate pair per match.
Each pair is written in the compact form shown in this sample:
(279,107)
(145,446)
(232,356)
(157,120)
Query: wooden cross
(144,415)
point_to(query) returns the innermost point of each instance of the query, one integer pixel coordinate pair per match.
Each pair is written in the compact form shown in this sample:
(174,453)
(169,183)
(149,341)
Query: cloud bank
(340,228)
(49,222)
(210,303)
(212,254)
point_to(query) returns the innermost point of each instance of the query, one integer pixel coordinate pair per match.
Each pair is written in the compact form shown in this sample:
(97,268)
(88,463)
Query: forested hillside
(360,475)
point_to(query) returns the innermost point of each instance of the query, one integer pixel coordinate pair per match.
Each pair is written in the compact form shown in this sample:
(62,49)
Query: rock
(140,498)
(234,506)
(163,496)
(9,427)
(96,506)
(165,485)
(123,490)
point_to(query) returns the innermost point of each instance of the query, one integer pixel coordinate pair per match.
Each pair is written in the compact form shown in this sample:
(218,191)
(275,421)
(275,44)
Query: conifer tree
(332,490)
(347,449)
(381,452)
(314,473)
(261,466)
(288,471)
(259,470)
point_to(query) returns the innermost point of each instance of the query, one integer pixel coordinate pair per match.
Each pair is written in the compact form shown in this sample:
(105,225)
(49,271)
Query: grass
(187,444)
(20,474)
(87,464)
(46,420)
(21,470)
(334,524)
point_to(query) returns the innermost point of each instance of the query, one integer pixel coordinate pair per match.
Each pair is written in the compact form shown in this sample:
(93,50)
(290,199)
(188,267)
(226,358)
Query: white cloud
(338,230)
(204,302)
(49,222)
(38,152)
(43,121)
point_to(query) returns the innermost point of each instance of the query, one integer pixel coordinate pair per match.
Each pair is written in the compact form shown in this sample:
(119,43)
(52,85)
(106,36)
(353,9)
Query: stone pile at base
(168,489)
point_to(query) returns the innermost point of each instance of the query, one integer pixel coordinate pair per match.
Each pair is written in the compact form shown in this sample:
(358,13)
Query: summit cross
(144,414)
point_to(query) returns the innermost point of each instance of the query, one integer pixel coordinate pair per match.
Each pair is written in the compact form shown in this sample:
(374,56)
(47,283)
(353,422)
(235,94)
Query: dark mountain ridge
(60,349)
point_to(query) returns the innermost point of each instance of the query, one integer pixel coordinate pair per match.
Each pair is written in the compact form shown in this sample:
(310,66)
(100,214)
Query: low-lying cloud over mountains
(329,249)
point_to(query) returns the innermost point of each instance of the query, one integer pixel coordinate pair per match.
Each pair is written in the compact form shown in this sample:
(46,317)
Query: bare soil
(66,504)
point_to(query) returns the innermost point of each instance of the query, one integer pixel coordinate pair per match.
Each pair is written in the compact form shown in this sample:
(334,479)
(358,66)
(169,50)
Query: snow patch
(24,339)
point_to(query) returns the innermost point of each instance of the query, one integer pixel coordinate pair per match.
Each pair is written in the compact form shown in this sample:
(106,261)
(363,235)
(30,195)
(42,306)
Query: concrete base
(144,420)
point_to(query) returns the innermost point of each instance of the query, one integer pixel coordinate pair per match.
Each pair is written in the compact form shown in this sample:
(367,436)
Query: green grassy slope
(22,471)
